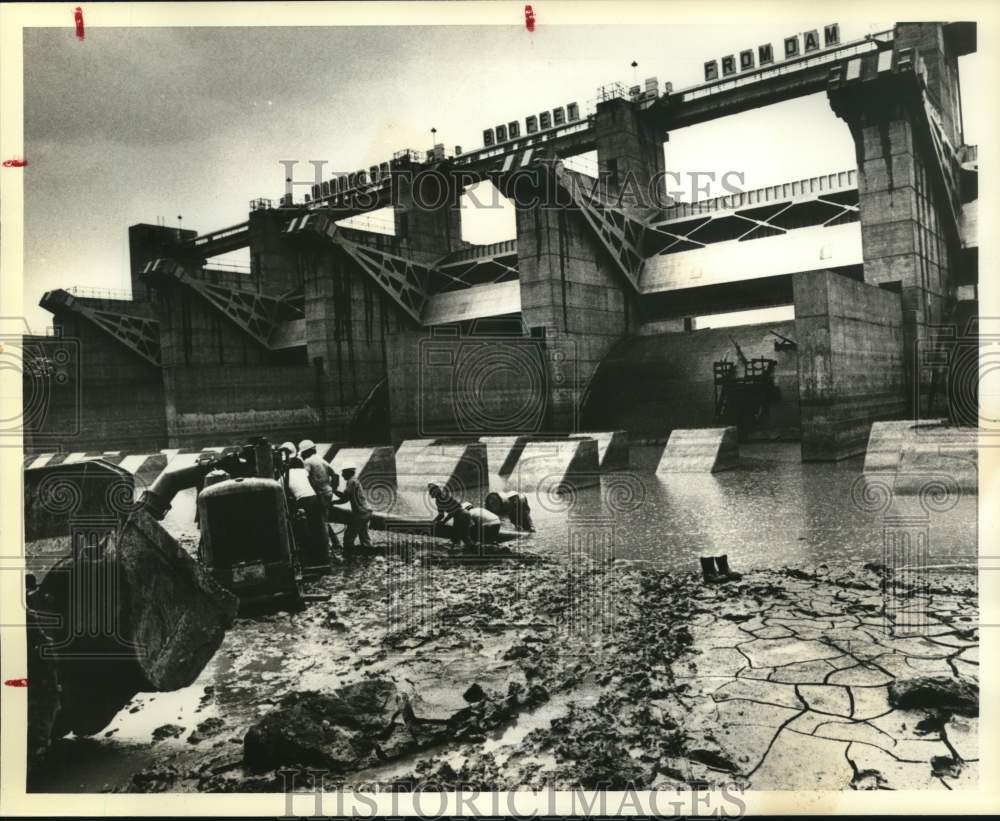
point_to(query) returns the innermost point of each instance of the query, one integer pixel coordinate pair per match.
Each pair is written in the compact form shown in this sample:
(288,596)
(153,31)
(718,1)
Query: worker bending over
(450,508)
(317,549)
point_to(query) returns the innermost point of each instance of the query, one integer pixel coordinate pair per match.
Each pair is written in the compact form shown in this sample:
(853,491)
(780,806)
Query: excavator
(115,605)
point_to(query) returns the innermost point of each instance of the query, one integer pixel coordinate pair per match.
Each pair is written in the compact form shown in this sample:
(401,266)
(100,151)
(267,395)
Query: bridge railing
(373,225)
(505,247)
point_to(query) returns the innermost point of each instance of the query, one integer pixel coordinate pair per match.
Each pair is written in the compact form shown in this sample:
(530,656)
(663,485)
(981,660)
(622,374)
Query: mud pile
(507,674)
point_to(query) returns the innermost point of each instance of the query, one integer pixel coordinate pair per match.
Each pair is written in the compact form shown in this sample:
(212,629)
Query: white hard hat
(289,446)
(306,444)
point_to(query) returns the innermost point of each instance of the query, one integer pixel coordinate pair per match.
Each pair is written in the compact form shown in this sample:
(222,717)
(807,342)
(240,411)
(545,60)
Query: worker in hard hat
(284,454)
(315,551)
(450,508)
(361,512)
(322,476)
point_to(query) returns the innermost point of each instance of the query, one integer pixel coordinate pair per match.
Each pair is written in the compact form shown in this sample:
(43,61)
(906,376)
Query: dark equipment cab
(245,539)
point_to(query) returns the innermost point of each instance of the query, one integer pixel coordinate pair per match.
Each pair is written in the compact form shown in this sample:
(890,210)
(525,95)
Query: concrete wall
(215,402)
(220,382)
(650,385)
(850,355)
(112,397)
(348,319)
(444,384)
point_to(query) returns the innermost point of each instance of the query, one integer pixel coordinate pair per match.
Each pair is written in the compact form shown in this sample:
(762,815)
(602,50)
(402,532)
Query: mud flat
(506,673)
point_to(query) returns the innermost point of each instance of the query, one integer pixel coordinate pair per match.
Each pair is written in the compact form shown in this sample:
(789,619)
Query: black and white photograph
(559,408)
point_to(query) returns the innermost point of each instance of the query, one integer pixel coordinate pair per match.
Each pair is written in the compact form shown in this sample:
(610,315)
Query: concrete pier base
(924,454)
(700,450)
(886,440)
(502,454)
(544,466)
(612,448)
(461,467)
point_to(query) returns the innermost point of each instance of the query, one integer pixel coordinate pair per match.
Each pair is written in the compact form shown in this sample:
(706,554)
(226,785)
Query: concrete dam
(588,319)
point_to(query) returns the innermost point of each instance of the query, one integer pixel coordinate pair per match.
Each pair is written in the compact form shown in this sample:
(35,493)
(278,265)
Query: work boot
(708,571)
(722,562)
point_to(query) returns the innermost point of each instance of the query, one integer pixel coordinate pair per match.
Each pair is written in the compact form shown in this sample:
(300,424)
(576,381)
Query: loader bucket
(119,606)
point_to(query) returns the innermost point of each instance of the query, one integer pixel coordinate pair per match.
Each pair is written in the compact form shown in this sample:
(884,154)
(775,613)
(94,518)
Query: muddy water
(774,511)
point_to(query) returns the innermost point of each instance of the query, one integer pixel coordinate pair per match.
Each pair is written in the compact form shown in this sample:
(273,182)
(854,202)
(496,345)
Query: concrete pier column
(273,266)
(909,240)
(428,219)
(574,298)
(347,318)
(146,243)
(629,152)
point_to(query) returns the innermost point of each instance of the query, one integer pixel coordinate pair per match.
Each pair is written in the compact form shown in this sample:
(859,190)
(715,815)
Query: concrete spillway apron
(459,467)
(923,456)
(547,466)
(612,448)
(700,450)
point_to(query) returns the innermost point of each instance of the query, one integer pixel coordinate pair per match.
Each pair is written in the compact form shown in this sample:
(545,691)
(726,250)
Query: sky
(138,125)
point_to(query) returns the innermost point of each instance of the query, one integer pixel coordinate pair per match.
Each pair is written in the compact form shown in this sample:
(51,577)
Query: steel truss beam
(752,222)
(407,282)
(404,280)
(467,273)
(622,235)
(139,334)
(254,313)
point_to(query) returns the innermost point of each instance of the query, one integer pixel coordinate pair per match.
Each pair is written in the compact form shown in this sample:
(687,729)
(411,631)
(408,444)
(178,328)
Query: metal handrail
(364,222)
(87,292)
(806,188)
(222,233)
(238,267)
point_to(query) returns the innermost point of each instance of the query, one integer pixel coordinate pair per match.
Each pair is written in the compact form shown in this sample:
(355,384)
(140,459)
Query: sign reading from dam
(794,46)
